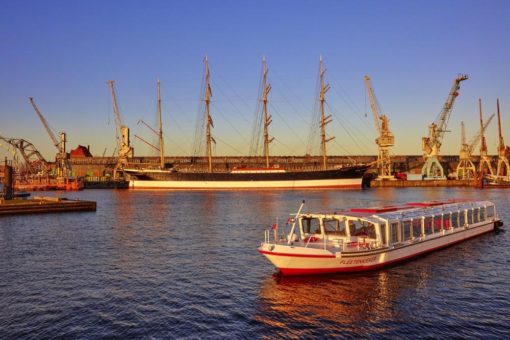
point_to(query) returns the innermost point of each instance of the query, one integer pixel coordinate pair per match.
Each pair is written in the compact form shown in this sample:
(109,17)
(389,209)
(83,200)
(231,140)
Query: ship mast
(502,151)
(267,118)
(209,121)
(485,162)
(324,119)
(161,146)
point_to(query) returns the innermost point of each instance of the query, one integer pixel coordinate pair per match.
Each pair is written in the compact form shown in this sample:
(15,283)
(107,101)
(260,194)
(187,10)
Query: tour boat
(363,239)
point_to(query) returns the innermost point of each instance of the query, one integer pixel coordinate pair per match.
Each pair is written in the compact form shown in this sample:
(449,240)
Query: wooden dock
(43,205)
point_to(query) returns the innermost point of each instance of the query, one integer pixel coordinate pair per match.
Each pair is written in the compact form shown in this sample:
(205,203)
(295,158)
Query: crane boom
(116,113)
(373,103)
(45,123)
(476,139)
(442,119)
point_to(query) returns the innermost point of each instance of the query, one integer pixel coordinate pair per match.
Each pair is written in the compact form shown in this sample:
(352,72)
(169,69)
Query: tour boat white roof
(404,212)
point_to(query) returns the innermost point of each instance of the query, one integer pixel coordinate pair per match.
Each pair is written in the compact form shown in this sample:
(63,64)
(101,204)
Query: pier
(40,205)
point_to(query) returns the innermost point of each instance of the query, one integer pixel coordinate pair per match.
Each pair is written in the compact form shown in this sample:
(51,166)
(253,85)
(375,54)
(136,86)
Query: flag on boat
(274,226)
(289,220)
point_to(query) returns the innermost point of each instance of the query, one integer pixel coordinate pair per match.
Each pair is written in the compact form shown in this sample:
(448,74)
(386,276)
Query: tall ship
(259,177)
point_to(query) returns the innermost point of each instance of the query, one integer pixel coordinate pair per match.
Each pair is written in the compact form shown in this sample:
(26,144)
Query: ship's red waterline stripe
(309,271)
(295,255)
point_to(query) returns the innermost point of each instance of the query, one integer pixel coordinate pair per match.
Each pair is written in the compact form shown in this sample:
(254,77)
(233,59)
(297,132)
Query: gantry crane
(503,168)
(431,145)
(385,139)
(485,167)
(124,149)
(466,169)
(62,158)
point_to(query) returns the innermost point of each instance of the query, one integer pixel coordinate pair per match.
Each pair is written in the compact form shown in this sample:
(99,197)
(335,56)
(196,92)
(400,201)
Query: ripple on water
(184,264)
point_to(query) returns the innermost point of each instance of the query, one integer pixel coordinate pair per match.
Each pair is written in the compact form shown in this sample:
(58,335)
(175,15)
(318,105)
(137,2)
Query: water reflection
(183,264)
(346,303)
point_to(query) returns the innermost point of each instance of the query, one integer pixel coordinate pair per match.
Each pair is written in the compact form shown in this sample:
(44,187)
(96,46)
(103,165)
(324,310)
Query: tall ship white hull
(348,177)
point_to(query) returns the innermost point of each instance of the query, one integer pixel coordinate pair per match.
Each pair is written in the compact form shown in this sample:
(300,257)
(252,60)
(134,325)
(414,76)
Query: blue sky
(63,53)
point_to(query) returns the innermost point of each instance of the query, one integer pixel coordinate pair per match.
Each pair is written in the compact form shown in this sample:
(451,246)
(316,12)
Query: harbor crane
(485,166)
(35,163)
(62,158)
(466,169)
(385,139)
(503,167)
(431,145)
(124,149)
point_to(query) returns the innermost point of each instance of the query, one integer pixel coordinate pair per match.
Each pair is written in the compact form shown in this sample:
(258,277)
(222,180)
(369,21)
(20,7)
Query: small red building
(80,152)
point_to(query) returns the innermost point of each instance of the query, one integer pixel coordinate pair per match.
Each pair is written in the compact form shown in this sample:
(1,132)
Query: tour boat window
(476,216)
(371,230)
(462,218)
(406,230)
(355,227)
(362,228)
(470,216)
(438,219)
(446,221)
(394,233)
(455,219)
(416,227)
(429,229)
(482,213)
(334,226)
(311,225)
(383,227)
(490,211)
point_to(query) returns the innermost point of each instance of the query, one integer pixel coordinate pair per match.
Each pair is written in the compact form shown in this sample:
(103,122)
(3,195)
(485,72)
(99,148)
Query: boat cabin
(373,228)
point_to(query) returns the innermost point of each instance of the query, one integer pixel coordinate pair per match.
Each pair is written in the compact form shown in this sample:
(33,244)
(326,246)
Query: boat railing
(313,241)
(341,244)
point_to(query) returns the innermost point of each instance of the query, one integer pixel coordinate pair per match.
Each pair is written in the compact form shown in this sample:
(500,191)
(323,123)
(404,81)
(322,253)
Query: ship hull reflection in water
(345,305)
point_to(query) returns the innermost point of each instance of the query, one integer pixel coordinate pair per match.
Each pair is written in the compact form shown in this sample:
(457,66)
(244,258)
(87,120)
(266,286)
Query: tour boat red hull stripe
(307,271)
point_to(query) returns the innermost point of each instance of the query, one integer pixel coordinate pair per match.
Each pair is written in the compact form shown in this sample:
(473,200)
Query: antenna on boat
(289,237)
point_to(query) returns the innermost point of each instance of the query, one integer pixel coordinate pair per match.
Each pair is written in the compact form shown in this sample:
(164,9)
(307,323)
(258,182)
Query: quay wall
(424,183)
(101,166)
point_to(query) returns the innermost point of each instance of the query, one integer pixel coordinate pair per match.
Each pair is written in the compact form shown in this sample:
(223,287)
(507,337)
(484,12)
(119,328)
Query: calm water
(177,264)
